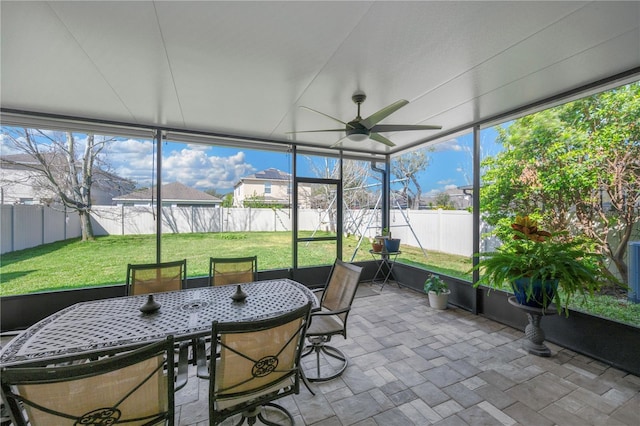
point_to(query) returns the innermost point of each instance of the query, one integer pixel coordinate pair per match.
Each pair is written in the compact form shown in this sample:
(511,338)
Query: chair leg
(319,346)
(277,407)
(201,359)
(305,381)
(183,366)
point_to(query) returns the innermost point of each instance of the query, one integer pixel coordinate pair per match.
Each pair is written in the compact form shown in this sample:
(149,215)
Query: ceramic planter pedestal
(534,333)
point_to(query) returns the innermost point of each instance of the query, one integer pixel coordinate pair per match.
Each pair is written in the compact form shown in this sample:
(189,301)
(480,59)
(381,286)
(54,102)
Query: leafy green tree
(443,201)
(227,200)
(259,202)
(576,167)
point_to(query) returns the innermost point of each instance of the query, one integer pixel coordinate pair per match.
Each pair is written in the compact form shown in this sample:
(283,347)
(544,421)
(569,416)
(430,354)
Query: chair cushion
(325,324)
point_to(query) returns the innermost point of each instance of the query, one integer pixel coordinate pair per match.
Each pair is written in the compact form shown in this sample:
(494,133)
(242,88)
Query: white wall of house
(21,187)
(18,187)
(269,190)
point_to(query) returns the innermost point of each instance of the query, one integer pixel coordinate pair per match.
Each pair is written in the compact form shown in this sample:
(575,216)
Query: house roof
(269,174)
(172,192)
(240,71)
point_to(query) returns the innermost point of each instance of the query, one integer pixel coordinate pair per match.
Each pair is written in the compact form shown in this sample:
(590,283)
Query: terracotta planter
(439,301)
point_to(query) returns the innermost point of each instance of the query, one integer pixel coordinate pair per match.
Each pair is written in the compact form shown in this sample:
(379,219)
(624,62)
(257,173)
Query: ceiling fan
(360,129)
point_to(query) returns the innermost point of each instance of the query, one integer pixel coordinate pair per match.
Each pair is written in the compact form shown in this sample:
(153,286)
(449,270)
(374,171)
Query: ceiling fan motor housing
(356,131)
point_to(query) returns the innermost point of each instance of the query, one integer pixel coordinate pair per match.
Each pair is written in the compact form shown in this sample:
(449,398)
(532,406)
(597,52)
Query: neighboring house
(458,198)
(21,182)
(173,194)
(270,186)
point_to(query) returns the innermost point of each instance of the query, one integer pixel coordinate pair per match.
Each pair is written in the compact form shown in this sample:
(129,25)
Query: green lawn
(73,264)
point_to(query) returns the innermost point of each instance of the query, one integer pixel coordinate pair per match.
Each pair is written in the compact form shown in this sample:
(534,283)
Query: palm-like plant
(538,256)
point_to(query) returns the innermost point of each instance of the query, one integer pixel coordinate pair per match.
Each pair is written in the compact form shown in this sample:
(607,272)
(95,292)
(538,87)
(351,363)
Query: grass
(73,264)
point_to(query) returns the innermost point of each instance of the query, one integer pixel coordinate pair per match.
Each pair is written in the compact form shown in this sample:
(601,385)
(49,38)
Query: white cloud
(449,145)
(190,165)
(445,182)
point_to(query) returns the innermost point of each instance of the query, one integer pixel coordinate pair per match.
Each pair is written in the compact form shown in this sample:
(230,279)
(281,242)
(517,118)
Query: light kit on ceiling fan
(359,129)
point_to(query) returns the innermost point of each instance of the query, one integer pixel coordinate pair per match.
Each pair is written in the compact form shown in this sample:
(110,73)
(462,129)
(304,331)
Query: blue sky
(213,167)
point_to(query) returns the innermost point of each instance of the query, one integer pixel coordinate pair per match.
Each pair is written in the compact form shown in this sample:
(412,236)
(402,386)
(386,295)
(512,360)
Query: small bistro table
(117,324)
(384,259)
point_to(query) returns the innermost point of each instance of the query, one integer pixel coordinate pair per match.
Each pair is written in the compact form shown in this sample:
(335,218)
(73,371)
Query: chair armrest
(336,312)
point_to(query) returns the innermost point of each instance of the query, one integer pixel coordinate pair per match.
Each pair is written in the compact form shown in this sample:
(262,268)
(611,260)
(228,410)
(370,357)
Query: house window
(267,188)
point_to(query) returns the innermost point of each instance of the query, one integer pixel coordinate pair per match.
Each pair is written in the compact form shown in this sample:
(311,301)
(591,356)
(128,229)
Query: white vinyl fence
(448,231)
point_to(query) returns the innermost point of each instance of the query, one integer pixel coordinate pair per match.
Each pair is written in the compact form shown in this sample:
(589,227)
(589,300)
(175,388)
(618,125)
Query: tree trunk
(85,224)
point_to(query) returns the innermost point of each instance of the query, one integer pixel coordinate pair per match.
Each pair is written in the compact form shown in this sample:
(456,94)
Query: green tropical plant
(435,284)
(540,256)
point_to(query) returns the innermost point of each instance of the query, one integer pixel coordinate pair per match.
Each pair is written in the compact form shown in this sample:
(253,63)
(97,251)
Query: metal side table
(385,261)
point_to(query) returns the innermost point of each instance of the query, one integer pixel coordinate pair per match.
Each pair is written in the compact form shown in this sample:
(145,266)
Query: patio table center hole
(194,305)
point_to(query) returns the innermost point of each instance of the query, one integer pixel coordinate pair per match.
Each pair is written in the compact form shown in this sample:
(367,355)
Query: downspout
(386,187)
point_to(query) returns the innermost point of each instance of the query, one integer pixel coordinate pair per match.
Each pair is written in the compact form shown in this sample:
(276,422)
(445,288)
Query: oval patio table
(117,324)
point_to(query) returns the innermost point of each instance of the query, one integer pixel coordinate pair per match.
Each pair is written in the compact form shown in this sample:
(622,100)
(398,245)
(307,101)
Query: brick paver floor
(413,365)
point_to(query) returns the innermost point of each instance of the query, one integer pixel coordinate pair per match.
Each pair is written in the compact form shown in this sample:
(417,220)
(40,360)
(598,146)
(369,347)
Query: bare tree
(407,167)
(61,165)
(354,177)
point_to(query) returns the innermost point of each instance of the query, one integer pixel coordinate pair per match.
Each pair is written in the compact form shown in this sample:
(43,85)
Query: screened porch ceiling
(243,69)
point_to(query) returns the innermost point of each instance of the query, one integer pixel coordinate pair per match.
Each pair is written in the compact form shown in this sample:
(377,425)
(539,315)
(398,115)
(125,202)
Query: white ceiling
(244,68)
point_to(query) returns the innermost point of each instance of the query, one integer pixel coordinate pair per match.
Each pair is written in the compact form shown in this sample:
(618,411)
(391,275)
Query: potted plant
(391,245)
(377,244)
(438,291)
(540,267)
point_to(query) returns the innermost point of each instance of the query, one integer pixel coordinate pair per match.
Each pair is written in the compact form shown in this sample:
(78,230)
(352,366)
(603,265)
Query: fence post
(42,225)
(13,226)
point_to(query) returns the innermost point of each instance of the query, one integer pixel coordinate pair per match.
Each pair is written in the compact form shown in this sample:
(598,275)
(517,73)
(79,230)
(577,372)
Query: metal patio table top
(116,324)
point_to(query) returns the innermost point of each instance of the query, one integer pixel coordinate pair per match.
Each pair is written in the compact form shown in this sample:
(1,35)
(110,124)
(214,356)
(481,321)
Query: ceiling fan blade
(328,116)
(379,138)
(376,117)
(401,127)
(314,131)
(335,145)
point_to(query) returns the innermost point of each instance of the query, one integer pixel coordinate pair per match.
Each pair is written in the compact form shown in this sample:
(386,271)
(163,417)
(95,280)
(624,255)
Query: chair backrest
(341,288)
(257,362)
(156,277)
(113,390)
(232,270)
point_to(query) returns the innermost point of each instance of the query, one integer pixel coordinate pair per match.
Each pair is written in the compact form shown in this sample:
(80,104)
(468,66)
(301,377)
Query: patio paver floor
(413,365)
